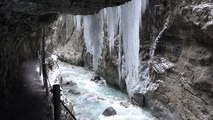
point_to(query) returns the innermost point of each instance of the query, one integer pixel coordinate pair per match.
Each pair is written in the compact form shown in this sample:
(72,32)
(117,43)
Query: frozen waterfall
(93,35)
(130,21)
(122,22)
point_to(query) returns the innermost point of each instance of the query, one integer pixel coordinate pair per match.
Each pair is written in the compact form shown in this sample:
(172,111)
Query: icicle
(121,59)
(87,33)
(78,22)
(121,65)
(74,21)
(144,3)
(110,25)
(112,16)
(130,21)
(93,35)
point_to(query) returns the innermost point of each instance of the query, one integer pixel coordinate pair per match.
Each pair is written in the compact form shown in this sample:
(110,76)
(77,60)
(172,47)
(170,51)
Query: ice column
(78,22)
(130,22)
(93,35)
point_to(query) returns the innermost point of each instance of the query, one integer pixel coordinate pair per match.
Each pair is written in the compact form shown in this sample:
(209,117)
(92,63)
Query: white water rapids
(88,106)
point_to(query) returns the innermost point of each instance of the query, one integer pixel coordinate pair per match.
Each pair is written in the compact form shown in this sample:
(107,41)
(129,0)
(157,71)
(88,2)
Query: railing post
(39,61)
(45,78)
(56,102)
(43,63)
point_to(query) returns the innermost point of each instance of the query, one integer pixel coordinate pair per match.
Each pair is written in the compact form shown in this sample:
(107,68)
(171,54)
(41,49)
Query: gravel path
(28,102)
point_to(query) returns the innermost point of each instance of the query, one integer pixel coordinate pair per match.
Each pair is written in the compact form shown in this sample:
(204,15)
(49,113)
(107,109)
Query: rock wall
(186,90)
(76,7)
(180,84)
(65,40)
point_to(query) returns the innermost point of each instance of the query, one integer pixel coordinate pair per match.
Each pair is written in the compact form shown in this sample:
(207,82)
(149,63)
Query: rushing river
(94,97)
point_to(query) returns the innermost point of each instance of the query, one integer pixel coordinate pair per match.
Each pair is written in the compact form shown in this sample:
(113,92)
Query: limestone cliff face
(186,91)
(65,40)
(182,67)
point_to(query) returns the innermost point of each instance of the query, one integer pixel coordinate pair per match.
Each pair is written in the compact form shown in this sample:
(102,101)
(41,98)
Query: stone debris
(161,65)
(125,104)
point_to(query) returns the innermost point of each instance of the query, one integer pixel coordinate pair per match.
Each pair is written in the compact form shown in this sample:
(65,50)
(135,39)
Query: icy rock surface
(161,65)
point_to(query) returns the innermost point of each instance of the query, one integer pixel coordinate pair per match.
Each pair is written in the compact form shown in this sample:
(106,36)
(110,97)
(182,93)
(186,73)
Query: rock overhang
(75,7)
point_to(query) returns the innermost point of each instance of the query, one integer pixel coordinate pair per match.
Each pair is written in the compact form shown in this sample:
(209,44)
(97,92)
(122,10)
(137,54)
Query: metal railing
(57,102)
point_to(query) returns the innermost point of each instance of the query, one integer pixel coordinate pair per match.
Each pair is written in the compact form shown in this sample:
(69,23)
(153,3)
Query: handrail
(43,64)
(66,108)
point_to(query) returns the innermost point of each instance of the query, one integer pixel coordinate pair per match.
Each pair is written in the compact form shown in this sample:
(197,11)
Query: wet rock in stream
(74,90)
(70,83)
(109,112)
(96,78)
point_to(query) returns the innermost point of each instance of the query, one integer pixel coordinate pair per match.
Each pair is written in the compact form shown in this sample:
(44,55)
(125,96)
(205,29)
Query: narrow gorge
(157,52)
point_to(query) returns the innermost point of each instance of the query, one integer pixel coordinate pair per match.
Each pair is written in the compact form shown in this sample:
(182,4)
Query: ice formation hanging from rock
(130,21)
(93,35)
(78,22)
(112,16)
(127,18)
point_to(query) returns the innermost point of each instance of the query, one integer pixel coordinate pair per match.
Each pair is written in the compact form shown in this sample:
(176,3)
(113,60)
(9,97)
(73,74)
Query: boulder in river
(96,78)
(138,99)
(70,83)
(109,112)
(74,91)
